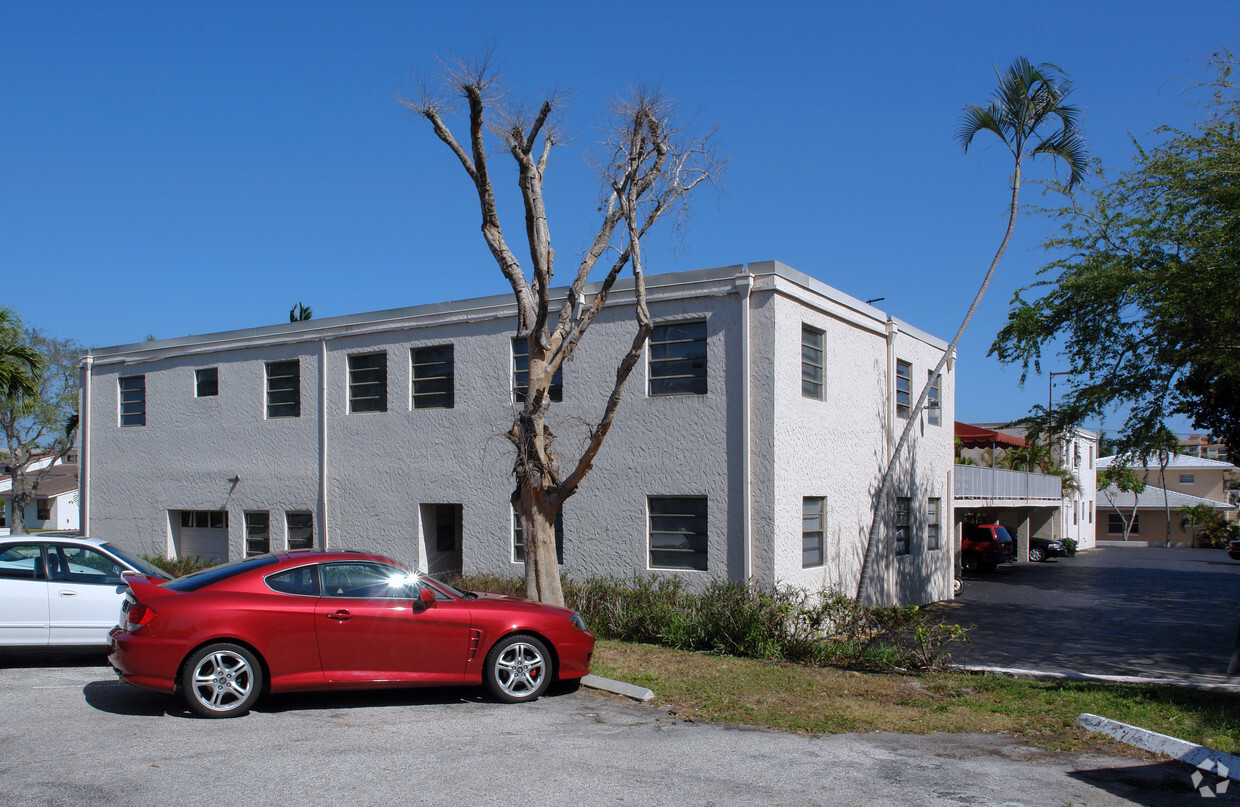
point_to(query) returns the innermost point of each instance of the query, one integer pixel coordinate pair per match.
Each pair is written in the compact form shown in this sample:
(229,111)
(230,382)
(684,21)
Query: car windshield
(138,563)
(206,577)
(453,590)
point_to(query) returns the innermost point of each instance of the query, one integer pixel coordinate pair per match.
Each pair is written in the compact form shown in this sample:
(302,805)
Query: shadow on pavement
(1159,784)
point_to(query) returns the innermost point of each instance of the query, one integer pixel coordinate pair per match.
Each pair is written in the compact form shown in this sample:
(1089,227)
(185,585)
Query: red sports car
(305,620)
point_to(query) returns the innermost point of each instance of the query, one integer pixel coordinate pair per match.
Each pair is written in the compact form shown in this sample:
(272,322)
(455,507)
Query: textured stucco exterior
(752,445)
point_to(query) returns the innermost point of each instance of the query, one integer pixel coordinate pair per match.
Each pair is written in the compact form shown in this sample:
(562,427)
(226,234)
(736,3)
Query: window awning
(977,437)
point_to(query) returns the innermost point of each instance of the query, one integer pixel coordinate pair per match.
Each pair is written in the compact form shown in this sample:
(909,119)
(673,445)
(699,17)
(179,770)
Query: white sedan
(62,590)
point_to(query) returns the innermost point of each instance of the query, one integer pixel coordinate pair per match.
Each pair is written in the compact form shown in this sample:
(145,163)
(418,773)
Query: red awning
(977,437)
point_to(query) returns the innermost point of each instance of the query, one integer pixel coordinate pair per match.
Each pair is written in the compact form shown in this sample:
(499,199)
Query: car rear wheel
(1036,554)
(969,561)
(518,669)
(222,680)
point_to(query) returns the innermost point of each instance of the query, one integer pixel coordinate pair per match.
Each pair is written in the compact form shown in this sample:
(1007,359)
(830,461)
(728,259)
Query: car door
(371,626)
(84,595)
(23,595)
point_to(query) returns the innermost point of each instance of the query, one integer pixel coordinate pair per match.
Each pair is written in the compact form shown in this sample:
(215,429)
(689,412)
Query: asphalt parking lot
(1141,611)
(72,735)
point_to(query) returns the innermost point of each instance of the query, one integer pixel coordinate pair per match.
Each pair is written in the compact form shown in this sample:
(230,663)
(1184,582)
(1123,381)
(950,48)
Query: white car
(62,590)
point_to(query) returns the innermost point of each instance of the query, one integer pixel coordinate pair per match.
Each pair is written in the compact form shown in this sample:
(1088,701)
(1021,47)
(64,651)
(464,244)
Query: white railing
(977,482)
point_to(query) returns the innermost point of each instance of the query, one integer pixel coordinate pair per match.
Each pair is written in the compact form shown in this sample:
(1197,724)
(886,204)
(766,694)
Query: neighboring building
(1203,446)
(1187,480)
(1027,502)
(748,444)
(55,502)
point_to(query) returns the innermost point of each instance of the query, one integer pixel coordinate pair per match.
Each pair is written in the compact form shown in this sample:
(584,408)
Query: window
(205,519)
(302,580)
(81,564)
(904,388)
(678,532)
(433,377)
(42,509)
(300,530)
(932,524)
(812,366)
(521,373)
(813,531)
(678,358)
(904,506)
(284,389)
(934,402)
(367,581)
(22,562)
(206,382)
(133,400)
(257,533)
(518,539)
(1188,479)
(368,382)
(1115,524)
(1076,513)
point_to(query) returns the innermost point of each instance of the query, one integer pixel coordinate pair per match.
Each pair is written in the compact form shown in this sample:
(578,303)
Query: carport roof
(979,437)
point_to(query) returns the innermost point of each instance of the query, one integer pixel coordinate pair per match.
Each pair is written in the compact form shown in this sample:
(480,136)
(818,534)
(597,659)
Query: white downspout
(744,283)
(87,367)
(323,440)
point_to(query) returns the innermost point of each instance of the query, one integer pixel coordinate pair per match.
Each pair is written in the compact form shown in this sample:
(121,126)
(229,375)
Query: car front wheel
(222,680)
(518,669)
(1036,555)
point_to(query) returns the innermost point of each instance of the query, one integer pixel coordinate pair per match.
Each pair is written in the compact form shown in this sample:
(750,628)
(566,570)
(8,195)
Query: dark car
(302,621)
(1042,548)
(1233,549)
(985,546)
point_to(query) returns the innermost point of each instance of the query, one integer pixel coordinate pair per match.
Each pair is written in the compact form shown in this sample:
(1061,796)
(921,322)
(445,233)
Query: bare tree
(649,165)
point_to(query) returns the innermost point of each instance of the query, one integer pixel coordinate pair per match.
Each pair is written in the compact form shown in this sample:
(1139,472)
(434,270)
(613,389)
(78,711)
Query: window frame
(432,399)
(934,521)
(131,408)
(207,382)
(904,410)
(1188,478)
(1111,524)
(555,392)
(820,532)
(903,529)
(289,526)
(662,384)
(702,536)
(808,365)
(518,548)
(251,530)
(934,399)
(275,409)
(376,389)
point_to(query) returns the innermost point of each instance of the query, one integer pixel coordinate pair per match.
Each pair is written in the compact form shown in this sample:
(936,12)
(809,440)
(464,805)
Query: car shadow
(23,657)
(118,698)
(1159,784)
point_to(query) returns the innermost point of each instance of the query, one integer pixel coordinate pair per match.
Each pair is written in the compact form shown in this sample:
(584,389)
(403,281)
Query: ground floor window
(904,513)
(1115,524)
(518,538)
(300,530)
(257,533)
(932,524)
(813,531)
(43,509)
(678,537)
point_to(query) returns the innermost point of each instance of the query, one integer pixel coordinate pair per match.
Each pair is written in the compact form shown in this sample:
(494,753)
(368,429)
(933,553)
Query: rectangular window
(934,402)
(205,519)
(1076,512)
(257,533)
(904,507)
(932,524)
(1188,479)
(284,389)
(678,358)
(368,382)
(1115,524)
(904,388)
(434,376)
(813,368)
(518,538)
(206,382)
(300,530)
(678,532)
(521,373)
(813,531)
(133,400)
(42,509)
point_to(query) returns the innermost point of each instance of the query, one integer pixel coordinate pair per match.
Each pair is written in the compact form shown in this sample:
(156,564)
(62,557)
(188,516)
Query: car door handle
(68,593)
(341,615)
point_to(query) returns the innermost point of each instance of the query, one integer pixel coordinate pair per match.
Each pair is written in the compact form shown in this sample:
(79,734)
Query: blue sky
(172,169)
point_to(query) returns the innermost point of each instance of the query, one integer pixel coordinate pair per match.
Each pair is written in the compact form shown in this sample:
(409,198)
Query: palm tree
(1029,100)
(20,364)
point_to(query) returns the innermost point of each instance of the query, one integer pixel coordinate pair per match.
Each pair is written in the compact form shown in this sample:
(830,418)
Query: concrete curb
(617,687)
(1193,754)
(1044,675)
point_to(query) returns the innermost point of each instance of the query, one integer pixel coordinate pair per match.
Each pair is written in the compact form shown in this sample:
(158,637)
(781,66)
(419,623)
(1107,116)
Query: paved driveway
(1151,612)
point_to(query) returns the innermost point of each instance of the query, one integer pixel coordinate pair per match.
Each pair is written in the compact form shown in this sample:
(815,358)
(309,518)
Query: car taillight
(137,616)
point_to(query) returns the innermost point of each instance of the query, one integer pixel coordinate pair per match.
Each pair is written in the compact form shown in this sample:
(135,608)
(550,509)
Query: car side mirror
(426,597)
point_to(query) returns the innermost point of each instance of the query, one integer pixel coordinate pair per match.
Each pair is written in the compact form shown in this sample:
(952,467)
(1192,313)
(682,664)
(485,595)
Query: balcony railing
(977,482)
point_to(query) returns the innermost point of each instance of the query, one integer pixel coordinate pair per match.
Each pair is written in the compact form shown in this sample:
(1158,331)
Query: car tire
(969,562)
(221,680)
(1036,555)
(518,669)
(957,586)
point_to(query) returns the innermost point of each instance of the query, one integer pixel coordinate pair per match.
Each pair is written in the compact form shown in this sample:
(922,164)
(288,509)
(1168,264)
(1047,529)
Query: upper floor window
(206,382)
(813,531)
(433,377)
(678,538)
(678,358)
(368,382)
(133,400)
(904,507)
(1188,479)
(904,388)
(521,373)
(284,389)
(813,367)
(934,402)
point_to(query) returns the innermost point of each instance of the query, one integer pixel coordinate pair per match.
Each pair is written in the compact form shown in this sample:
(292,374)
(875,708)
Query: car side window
(21,562)
(369,581)
(82,564)
(303,580)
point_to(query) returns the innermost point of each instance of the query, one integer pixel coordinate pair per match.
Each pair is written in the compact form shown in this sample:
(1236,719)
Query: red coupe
(303,620)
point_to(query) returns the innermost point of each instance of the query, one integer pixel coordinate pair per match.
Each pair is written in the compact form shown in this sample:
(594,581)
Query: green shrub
(178,567)
(1069,545)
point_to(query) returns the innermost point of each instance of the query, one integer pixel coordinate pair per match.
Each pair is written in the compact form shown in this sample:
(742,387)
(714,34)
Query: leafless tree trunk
(649,168)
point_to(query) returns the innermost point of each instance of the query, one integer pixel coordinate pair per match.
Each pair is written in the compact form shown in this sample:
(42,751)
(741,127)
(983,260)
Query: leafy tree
(300,313)
(41,425)
(1030,116)
(1125,480)
(649,165)
(1207,522)
(20,364)
(1143,300)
